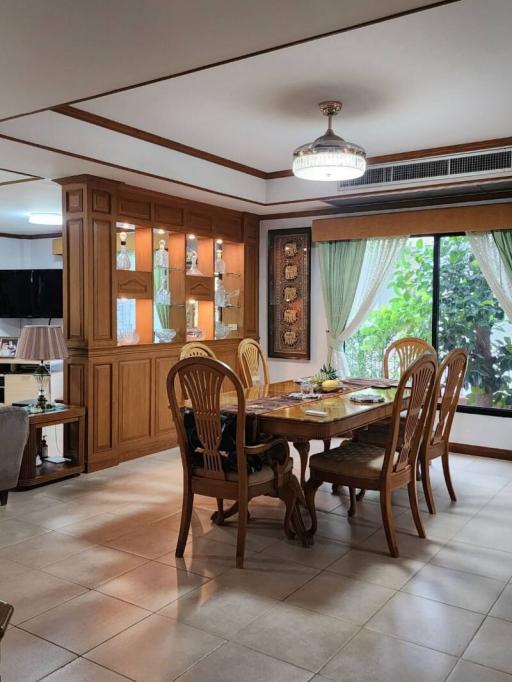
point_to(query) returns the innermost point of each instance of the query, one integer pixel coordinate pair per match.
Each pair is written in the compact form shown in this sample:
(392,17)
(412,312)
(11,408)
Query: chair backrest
(403,352)
(416,384)
(202,380)
(250,356)
(194,349)
(449,382)
(14,422)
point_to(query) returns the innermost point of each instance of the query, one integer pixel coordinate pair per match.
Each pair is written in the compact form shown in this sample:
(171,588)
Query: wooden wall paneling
(102,313)
(144,319)
(164,425)
(103,398)
(251,275)
(198,287)
(228,225)
(73,282)
(198,219)
(133,207)
(144,249)
(169,213)
(134,284)
(135,400)
(205,256)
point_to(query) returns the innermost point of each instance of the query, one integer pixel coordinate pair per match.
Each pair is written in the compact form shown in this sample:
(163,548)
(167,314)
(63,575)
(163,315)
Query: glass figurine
(123,259)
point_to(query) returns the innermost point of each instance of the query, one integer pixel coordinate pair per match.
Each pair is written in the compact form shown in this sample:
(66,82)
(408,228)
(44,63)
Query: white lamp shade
(41,342)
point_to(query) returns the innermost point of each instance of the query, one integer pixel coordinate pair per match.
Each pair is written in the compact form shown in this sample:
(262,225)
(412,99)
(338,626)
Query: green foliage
(469,317)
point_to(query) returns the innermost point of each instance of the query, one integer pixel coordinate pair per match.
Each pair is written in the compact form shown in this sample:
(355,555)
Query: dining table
(274,411)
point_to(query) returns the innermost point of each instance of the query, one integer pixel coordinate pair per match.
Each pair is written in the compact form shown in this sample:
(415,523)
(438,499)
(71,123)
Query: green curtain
(503,240)
(340,268)
(161,276)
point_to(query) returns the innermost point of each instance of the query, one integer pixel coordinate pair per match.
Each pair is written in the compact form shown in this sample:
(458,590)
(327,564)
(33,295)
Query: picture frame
(8,346)
(289,293)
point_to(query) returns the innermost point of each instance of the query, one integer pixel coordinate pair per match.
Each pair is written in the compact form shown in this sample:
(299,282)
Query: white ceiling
(18,201)
(56,51)
(425,80)
(434,78)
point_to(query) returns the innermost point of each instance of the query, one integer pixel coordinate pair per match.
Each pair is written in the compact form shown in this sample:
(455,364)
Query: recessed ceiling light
(45,219)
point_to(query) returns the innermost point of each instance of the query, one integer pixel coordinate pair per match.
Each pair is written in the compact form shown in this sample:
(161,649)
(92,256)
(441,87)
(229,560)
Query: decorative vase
(123,259)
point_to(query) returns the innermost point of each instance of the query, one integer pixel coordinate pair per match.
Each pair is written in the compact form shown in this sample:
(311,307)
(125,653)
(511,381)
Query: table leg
(302,448)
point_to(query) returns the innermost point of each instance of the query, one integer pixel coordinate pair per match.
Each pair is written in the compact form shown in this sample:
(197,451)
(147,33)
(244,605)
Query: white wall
(495,432)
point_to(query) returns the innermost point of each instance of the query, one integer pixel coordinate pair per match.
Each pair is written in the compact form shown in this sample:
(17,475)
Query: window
(438,293)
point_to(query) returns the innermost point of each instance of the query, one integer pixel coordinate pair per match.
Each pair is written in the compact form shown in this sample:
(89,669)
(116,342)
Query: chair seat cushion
(264,475)
(351,459)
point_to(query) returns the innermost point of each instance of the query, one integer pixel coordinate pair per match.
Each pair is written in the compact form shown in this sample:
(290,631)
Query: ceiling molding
(212,65)
(17,182)
(42,235)
(395,204)
(480,145)
(144,135)
(28,175)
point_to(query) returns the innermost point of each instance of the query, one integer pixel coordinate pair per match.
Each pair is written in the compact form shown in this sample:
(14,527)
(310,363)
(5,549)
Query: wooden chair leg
(242,530)
(288,495)
(360,495)
(427,486)
(186,517)
(327,444)
(302,448)
(352,508)
(3,497)
(218,516)
(309,494)
(413,501)
(447,476)
(387,520)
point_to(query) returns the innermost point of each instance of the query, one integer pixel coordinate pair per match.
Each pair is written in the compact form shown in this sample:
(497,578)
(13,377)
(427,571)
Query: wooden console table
(73,420)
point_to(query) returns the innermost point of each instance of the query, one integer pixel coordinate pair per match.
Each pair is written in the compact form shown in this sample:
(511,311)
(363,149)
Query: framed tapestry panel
(289,289)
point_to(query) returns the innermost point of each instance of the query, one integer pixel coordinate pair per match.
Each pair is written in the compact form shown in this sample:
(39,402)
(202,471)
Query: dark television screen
(31,293)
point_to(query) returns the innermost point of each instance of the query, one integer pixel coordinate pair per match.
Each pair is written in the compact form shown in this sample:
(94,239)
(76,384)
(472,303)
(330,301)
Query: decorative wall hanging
(289,265)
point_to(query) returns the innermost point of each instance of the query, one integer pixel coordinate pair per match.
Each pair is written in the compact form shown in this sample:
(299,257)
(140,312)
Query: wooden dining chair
(371,467)
(250,357)
(403,352)
(203,379)
(195,349)
(436,441)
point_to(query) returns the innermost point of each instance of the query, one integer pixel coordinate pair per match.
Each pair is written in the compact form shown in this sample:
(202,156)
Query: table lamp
(42,342)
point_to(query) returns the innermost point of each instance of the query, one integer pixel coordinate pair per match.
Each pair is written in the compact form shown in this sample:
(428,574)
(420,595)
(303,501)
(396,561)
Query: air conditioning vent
(415,172)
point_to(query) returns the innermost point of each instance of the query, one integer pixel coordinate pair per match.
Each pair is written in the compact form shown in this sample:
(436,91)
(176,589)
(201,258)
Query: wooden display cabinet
(122,380)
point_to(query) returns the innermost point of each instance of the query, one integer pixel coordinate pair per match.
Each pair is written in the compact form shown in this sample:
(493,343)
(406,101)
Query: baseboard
(481,451)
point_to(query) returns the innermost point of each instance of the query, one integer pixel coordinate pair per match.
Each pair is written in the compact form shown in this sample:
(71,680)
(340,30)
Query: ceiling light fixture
(329,157)
(45,219)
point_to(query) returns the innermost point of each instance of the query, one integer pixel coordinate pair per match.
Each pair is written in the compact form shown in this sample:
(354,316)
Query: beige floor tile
(427,622)
(479,560)
(101,528)
(60,514)
(466,590)
(441,526)
(373,657)
(24,502)
(44,549)
(465,671)
(82,670)
(26,658)
(200,524)
(152,585)
(322,554)
(95,566)
(346,598)
(493,482)
(16,530)
(85,622)
(368,511)
(149,542)
(491,533)
(491,646)
(32,592)
(409,545)
(204,557)
(376,568)
(233,663)
(302,638)
(335,527)
(147,513)
(503,607)
(261,533)
(155,650)
(267,576)
(220,610)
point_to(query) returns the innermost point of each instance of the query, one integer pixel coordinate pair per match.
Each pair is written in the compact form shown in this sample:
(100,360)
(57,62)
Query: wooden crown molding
(248,55)
(43,235)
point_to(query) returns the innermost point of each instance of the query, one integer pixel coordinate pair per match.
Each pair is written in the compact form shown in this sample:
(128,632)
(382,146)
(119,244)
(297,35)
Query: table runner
(275,402)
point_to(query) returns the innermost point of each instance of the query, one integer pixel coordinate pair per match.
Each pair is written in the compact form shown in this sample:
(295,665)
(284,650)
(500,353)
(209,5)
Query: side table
(73,420)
